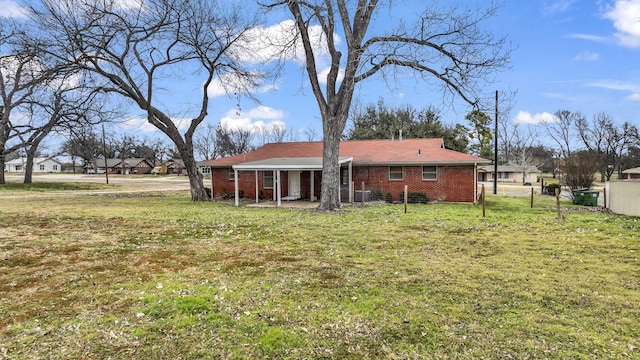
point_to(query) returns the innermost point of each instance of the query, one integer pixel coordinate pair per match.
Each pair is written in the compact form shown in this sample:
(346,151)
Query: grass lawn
(131,276)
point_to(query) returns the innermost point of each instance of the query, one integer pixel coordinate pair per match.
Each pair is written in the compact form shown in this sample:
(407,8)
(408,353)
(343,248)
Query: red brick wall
(453,184)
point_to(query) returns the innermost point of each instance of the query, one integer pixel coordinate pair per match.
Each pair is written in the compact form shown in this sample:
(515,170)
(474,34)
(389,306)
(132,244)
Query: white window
(55,167)
(205,170)
(267,179)
(429,173)
(396,173)
(41,167)
(232,174)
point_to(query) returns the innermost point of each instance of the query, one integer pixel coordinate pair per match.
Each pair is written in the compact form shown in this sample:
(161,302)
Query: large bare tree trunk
(28,169)
(330,188)
(198,193)
(2,164)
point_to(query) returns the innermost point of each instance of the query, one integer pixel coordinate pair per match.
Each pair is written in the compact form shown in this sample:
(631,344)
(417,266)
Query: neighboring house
(40,165)
(631,174)
(175,166)
(117,166)
(383,166)
(509,173)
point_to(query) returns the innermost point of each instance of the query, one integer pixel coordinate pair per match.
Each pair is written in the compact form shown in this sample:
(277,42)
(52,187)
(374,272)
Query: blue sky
(579,55)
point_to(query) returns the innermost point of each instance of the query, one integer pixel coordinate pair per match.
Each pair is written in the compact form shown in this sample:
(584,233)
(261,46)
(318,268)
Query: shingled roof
(363,152)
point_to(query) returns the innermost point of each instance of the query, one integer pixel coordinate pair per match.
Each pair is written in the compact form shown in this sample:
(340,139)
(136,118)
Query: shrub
(388,198)
(551,188)
(376,195)
(415,197)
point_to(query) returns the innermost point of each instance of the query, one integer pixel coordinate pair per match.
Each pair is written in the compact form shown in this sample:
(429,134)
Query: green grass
(139,275)
(52,186)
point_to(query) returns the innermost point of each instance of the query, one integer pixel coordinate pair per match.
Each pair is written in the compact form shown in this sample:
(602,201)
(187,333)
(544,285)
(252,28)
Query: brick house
(383,167)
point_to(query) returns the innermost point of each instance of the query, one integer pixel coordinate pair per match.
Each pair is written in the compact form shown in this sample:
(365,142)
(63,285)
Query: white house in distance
(40,165)
(509,173)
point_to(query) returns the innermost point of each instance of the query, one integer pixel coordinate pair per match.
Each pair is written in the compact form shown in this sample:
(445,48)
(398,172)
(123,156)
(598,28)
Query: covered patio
(293,166)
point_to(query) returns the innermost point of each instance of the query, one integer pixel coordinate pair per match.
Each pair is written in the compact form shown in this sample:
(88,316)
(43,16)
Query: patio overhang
(284,164)
(298,163)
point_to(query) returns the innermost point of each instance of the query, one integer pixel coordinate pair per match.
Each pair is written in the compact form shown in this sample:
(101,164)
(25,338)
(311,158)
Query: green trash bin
(590,198)
(578,196)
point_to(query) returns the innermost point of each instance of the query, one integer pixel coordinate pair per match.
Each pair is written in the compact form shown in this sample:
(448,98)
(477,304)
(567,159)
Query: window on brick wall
(429,173)
(231,175)
(267,179)
(396,173)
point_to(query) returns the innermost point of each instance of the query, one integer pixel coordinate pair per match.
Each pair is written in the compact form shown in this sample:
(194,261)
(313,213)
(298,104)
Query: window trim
(264,177)
(434,172)
(396,172)
(232,174)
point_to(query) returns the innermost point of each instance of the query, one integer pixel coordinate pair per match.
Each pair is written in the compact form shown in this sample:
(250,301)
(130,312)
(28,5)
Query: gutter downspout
(475,183)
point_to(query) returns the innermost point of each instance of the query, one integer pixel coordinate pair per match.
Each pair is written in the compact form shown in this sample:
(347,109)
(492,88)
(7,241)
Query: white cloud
(322,76)
(615,85)
(633,97)
(558,6)
(625,15)
(255,120)
(10,9)
(140,123)
(587,56)
(263,44)
(525,117)
(588,37)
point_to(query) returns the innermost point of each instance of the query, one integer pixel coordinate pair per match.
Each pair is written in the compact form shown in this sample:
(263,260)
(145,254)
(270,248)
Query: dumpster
(590,198)
(578,196)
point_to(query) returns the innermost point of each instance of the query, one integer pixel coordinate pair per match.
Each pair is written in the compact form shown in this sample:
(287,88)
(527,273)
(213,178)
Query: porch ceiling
(300,163)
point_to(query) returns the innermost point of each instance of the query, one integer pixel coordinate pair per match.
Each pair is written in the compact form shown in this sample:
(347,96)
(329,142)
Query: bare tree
(311,134)
(562,130)
(129,48)
(443,44)
(83,143)
(21,74)
(233,141)
(523,150)
(610,142)
(205,142)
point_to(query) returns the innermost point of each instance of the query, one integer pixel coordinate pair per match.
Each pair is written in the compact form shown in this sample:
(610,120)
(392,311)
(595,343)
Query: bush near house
(414,197)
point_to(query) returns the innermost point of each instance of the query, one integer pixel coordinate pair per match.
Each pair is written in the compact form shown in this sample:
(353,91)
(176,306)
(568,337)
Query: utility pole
(495,151)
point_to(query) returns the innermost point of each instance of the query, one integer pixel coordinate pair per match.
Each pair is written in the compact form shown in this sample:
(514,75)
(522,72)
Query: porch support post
(235,184)
(351,181)
(256,186)
(312,172)
(278,191)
